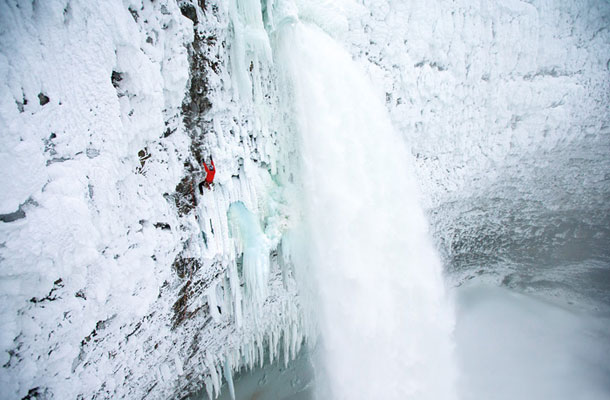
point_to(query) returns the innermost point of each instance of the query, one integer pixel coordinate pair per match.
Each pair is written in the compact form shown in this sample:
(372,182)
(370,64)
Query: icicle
(255,251)
(227,303)
(213,375)
(208,387)
(236,293)
(253,354)
(212,295)
(247,353)
(261,352)
(229,376)
(250,42)
(286,348)
(299,344)
(271,347)
(293,342)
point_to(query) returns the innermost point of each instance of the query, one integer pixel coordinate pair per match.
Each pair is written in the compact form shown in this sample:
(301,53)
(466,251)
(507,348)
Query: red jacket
(209,178)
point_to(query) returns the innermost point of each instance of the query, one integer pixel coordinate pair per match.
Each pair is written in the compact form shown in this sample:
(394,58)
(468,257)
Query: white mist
(384,318)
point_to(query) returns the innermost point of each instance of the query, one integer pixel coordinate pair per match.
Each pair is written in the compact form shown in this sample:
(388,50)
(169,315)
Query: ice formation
(118,280)
(254,246)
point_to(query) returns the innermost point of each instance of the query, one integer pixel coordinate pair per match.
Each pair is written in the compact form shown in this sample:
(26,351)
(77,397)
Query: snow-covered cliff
(505,106)
(119,280)
(476,88)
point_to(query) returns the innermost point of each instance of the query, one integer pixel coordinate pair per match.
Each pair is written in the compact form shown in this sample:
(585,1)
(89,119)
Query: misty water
(509,345)
(377,277)
(292,381)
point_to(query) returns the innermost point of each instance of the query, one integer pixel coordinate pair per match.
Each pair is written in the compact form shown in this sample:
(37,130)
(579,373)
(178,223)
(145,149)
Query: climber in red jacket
(209,178)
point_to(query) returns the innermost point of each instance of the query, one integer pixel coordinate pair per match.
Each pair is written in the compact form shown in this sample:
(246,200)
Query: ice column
(250,44)
(254,245)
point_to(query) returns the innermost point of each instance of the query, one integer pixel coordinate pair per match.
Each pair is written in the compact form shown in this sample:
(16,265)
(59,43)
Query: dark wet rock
(52,296)
(116,78)
(163,226)
(134,14)
(189,11)
(14,216)
(33,394)
(19,214)
(184,196)
(21,104)
(44,99)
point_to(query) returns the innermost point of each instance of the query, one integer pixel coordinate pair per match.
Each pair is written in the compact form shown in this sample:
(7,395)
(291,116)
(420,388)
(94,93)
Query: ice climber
(209,178)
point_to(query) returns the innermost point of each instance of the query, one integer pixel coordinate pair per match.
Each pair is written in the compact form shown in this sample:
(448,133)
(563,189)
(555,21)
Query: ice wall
(478,88)
(505,107)
(118,279)
(87,91)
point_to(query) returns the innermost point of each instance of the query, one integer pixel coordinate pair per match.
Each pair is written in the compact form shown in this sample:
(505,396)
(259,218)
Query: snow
(88,287)
(86,227)
(479,88)
(514,346)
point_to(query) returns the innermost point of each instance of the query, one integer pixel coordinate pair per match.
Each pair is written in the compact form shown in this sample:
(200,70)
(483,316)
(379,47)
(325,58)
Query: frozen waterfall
(333,124)
(384,318)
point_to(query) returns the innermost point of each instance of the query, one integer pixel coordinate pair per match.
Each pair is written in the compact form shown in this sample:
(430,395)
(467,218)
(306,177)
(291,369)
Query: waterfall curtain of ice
(384,319)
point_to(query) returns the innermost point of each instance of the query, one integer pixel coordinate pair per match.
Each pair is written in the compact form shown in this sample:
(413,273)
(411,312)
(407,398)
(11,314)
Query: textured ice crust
(505,107)
(86,258)
(476,88)
(107,289)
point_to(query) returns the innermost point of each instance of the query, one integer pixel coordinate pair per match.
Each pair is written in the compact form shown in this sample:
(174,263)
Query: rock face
(119,280)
